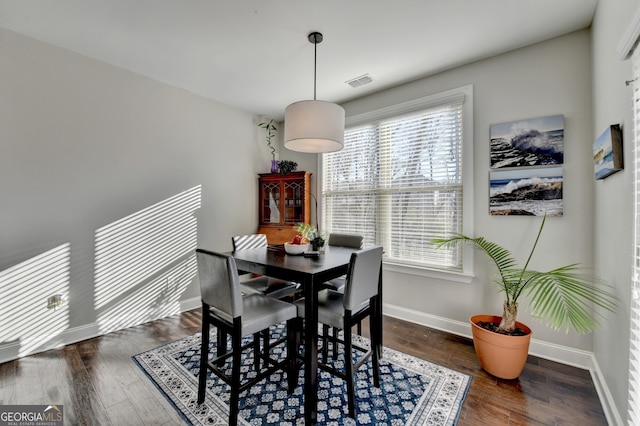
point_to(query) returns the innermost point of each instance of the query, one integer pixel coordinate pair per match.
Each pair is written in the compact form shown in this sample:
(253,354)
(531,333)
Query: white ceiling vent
(359,81)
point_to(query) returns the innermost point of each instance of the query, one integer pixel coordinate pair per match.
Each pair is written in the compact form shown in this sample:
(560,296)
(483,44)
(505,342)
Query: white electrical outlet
(55,301)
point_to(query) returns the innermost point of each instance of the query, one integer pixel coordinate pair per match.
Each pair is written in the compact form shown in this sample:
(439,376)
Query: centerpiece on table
(306,238)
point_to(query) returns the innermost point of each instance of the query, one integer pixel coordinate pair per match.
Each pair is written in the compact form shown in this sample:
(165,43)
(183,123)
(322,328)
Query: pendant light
(314,126)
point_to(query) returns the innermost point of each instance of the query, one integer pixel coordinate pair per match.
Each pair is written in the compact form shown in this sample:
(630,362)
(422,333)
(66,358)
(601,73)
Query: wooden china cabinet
(283,201)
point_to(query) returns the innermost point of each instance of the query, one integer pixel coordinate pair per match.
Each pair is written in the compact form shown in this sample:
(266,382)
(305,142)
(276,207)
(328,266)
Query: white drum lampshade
(314,126)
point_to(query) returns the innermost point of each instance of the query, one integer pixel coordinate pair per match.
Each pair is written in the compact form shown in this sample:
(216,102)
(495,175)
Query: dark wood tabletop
(274,262)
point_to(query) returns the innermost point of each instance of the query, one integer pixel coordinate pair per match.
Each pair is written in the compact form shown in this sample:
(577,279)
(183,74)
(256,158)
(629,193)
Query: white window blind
(398,182)
(634,345)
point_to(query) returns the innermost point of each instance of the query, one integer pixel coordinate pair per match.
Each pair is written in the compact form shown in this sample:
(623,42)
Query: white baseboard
(19,349)
(15,350)
(551,351)
(189,304)
(546,350)
(606,399)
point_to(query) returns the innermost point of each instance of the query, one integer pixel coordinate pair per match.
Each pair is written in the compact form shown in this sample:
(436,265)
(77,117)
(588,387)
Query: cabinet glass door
(294,201)
(271,202)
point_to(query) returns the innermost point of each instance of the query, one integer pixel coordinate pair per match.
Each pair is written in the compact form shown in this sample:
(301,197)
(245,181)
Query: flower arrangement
(308,234)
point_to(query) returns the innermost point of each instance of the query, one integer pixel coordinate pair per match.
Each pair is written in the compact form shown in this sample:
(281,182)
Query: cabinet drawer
(278,235)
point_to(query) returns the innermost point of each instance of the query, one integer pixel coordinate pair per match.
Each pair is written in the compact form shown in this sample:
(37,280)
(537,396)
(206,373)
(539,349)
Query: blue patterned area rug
(412,391)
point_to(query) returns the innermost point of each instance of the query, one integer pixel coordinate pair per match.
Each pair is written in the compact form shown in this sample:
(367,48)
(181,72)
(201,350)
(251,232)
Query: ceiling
(254,54)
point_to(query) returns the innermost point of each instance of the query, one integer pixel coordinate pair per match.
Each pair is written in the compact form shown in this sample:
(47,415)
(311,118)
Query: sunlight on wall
(24,316)
(144,262)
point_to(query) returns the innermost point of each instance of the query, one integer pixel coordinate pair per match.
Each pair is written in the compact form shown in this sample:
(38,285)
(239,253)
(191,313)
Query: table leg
(310,353)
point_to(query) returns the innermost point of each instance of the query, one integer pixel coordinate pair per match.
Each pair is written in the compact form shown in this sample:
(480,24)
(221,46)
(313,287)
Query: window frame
(633,410)
(628,48)
(464,93)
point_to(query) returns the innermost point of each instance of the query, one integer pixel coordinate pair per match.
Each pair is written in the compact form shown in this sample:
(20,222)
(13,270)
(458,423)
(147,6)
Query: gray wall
(613,207)
(548,78)
(84,145)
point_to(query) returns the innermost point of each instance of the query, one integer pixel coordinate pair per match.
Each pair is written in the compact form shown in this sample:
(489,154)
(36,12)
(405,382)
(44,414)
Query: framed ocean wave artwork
(607,152)
(525,143)
(535,191)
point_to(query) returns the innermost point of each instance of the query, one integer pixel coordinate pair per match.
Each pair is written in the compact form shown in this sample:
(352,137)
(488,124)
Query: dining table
(310,272)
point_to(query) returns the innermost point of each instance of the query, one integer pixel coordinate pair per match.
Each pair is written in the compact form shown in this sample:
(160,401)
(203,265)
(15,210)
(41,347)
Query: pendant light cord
(315,66)
(315,38)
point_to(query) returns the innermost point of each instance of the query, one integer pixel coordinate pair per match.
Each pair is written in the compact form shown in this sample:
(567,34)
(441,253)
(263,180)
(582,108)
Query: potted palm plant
(566,297)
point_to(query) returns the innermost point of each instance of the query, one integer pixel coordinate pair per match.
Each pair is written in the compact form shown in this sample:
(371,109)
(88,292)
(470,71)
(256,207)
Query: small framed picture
(607,152)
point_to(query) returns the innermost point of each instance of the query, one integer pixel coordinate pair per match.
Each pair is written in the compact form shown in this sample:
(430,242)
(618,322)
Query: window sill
(430,273)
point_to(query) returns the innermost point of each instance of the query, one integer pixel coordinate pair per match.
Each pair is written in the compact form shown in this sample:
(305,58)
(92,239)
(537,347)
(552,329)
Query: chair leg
(376,348)
(256,352)
(336,330)
(378,315)
(236,347)
(325,342)
(265,343)
(348,361)
(221,347)
(204,355)
(292,352)
(299,333)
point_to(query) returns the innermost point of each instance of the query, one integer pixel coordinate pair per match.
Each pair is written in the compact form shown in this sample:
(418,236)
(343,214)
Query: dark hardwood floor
(98,384)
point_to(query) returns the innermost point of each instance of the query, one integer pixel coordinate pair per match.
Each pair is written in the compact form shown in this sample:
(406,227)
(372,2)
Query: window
(400,180)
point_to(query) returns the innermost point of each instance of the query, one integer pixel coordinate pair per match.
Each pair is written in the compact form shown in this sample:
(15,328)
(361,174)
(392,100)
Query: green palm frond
(566,296)
(500,256)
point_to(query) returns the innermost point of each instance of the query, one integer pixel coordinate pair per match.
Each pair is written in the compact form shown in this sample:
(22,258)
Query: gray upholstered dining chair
(342,240)
(268,286)
(344,310)
(224,307)
(337,284)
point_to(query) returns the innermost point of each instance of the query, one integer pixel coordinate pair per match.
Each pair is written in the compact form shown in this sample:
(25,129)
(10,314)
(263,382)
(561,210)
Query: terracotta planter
(500,355)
